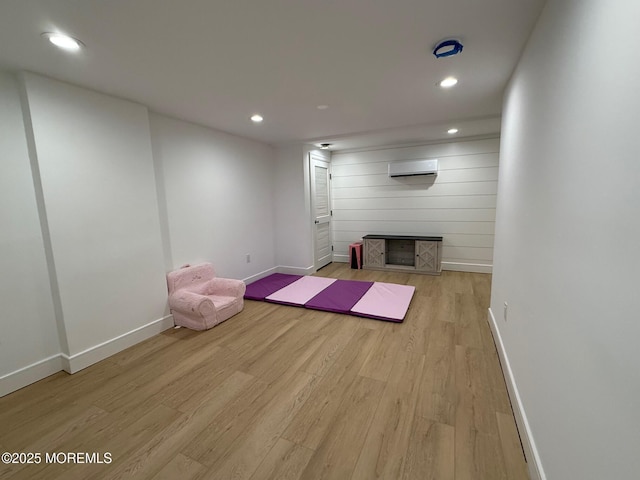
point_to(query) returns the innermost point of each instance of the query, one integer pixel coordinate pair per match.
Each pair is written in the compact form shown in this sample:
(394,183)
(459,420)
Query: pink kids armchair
(199,300)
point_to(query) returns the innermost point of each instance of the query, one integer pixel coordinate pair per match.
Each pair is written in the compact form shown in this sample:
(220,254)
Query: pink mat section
(385,301)
(301,291)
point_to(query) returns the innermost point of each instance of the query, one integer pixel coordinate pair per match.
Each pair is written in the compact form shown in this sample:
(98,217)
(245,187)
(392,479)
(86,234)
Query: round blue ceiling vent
(447,48)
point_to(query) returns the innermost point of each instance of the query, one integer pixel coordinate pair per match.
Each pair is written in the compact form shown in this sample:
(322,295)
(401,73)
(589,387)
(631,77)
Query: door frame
(312,158)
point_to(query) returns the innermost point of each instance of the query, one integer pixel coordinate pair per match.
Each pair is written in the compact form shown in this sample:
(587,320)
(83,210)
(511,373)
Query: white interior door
(321,210)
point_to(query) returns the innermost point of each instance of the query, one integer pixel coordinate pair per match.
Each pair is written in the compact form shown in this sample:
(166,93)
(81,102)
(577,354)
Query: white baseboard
(451,266)
(75,363)
(280,269)
(30,374)
(536,472)
(260,275)
(467,267)
(296,270)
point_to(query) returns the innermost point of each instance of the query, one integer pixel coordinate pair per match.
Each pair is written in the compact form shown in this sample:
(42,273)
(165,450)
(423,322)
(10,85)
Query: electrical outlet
(248,257)
(506,307)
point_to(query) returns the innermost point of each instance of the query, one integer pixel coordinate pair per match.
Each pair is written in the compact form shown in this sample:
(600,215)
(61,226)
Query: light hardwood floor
(285,393)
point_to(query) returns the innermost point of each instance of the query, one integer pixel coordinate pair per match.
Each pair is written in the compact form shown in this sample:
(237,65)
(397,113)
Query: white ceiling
(216,62)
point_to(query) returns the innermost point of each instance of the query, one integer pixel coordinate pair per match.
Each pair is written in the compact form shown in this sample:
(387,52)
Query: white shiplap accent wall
(459,203)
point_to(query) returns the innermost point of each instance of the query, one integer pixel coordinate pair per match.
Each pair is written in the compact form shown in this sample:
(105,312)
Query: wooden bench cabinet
(403,253)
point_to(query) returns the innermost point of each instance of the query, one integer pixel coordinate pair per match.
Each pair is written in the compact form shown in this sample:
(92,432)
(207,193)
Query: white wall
(96,168)
(219,198)
(294,222)
(29,341)
(566,252)
(293,231)
(458,204)
(97,209)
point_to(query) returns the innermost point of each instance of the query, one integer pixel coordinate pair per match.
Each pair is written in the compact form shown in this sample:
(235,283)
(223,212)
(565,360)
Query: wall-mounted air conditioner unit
(414,167)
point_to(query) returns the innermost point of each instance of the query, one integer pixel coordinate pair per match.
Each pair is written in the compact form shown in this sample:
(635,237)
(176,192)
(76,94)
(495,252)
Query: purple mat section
(260,289)
(340,296)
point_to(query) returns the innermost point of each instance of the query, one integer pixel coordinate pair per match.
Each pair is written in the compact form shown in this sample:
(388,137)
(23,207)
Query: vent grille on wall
(415,167)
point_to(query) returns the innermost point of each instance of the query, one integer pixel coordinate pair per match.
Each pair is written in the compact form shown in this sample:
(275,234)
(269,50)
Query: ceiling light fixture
(63,41)
(448,82)
(322,107)
(451,131)
(325,146)
(256,118)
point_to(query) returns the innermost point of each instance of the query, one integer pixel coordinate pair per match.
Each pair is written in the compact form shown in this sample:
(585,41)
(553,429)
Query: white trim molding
(30,374)
(536,472)
(75,363)
(467,267)
(280,269)
(296,270)
(451,266)
(340,258)
(260,275)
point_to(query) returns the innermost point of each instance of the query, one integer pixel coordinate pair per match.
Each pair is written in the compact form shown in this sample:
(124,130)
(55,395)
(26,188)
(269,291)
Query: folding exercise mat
(378,300)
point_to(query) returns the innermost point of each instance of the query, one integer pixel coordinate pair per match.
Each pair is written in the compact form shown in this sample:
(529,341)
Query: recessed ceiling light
(322,107)
(325,146)
(63,41)
(451,131)
(256,118)
(448,82)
